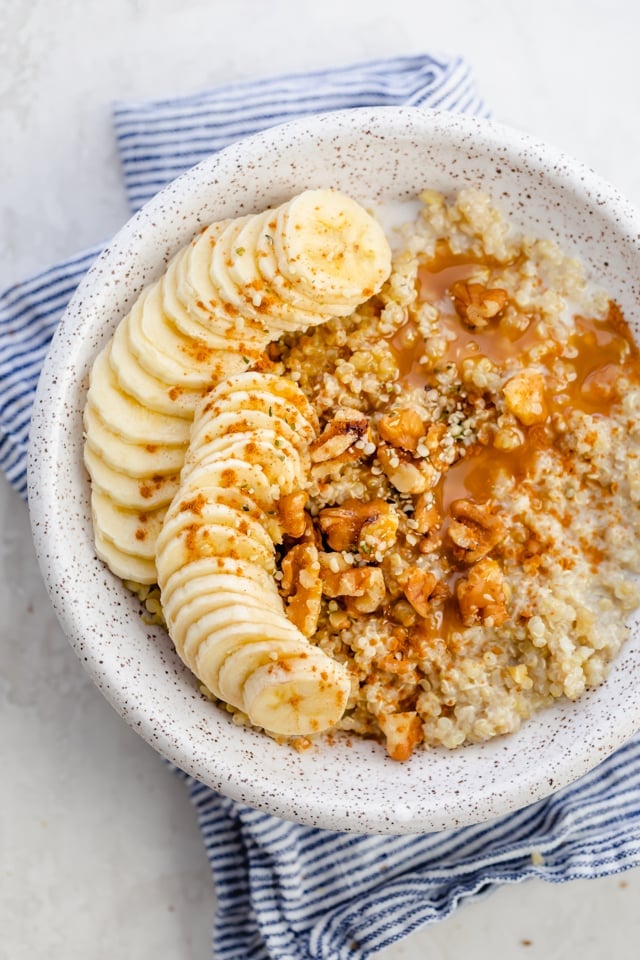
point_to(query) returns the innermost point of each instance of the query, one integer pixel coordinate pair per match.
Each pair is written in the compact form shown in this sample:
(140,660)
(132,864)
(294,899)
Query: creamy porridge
(475,487)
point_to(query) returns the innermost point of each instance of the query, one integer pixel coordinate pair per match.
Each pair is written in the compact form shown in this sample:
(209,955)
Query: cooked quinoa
(473,521)
(471,529)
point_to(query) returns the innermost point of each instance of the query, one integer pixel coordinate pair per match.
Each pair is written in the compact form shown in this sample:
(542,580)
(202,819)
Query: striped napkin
(285,891)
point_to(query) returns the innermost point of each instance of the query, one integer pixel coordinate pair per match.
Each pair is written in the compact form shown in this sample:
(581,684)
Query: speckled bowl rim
(351,785)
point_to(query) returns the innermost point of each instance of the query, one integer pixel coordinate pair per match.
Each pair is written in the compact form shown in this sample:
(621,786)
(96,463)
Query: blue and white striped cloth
(288,892)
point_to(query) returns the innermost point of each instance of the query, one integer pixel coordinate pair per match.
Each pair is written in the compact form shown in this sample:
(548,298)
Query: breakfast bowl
(383,158)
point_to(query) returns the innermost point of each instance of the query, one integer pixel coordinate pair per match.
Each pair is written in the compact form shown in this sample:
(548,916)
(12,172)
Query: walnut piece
(524,397)
(362,587)
(418,587)
(426,514)
(369,527)
(474,530)
(402,428)
(477,304)
(428,522)
(481,596)
(302,587)
(406,474)
(402,731)
(291,512)
(346,428)
(433,443)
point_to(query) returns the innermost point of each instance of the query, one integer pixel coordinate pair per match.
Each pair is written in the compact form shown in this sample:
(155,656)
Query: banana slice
(243,504)
(140,461)
(188,353)
(126,527)
(267,430)
(220,588)
(188,282)
(244,269)
(259,289)
(224,475)
(136,493)
(225,619)
(215,647)
(294,303)
(237,286)
(223,255)
(210,541)
(281,413)
(125,416)
(209,514)
(206,319)
(192,622)
(281,466)
(227,623)
(144,351)
(330,248)
(298,695)
(124,565)
(172,357)
(256,381)
(245,659)
(145,388)
(237,576)
(238,485)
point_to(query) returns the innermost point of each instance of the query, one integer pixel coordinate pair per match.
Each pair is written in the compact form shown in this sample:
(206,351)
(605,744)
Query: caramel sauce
(605,351)
(438,276)
(435,280)
(600,352)
(492,343)
(475,476)
(408,347)
(605,348)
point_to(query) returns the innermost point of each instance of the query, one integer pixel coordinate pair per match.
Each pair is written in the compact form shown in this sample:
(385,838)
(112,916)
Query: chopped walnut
(426,514)
(418,587)
(403,732)
(477,304)
(368,527)
(428,522)
(346,428)
(291,512)
(302,587)
(481,597)
(406,474)
(474,530)
(311,534)
(433,442)
(330,564)
(524,397)
(402,428)
(362,587)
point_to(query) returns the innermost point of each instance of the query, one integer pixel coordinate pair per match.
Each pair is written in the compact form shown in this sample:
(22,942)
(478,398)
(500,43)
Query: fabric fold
(332,895)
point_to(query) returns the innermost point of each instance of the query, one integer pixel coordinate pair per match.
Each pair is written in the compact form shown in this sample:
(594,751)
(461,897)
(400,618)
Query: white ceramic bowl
(374,154)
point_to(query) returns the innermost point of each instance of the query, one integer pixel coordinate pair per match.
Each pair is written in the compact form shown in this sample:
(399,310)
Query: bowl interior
(381,156)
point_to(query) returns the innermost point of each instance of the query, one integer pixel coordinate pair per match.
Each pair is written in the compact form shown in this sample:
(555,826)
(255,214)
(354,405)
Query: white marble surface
(99,852)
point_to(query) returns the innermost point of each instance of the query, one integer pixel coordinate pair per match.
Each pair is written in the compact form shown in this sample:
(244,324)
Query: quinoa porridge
(465,544)
(471,531)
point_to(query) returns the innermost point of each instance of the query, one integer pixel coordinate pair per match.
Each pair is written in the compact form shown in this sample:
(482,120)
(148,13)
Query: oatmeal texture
(469,544)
